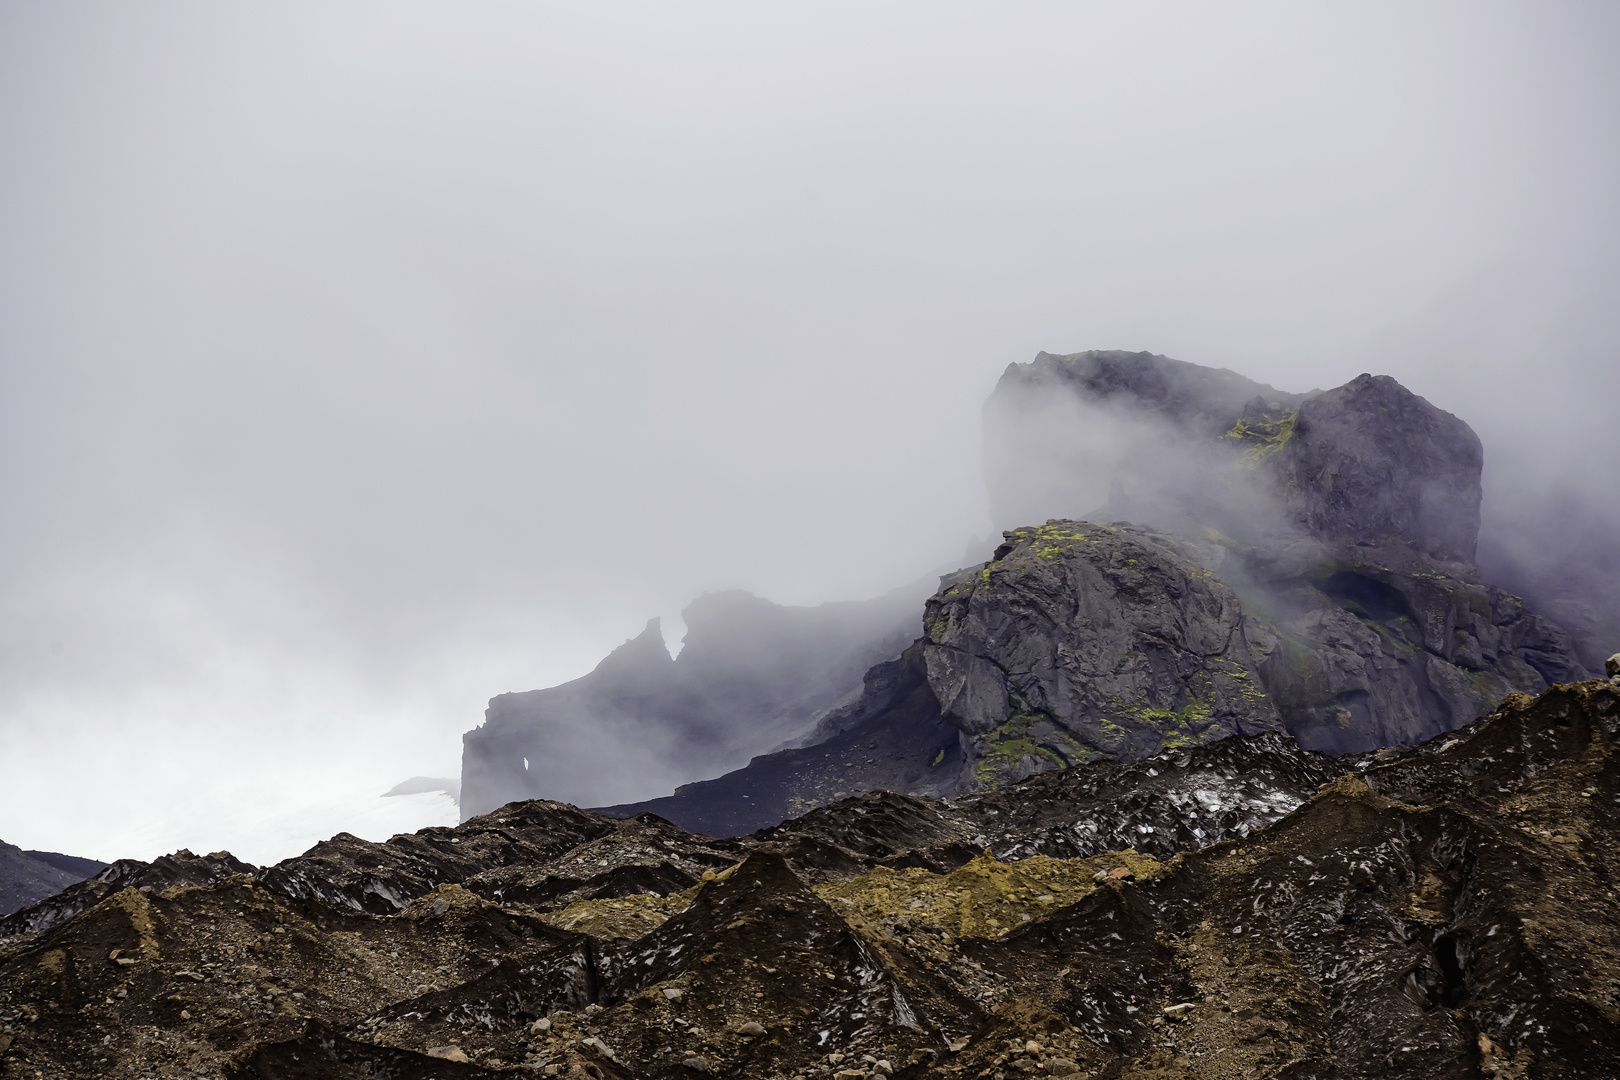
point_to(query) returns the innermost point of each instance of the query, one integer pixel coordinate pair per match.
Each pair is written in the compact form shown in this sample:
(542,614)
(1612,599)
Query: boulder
(1080,639)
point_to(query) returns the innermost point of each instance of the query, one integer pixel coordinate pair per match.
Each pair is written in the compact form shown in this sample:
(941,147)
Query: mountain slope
(1299,562)
(751,677)
(1080,641)
(1438,911)
(29,876)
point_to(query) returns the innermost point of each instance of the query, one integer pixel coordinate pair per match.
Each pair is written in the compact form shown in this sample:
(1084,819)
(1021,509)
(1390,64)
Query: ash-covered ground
(1240,909)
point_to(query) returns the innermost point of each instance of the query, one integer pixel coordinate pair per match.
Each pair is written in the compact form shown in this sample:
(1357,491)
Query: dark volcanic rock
(1078,639)
(1081,640)
(360,875)
(179,869)
(1444,910)
(1367,463)
(751,676)
(1176,800)
(30,876)
(1345,521)
(897,739)
(1372,463)
(319,1053)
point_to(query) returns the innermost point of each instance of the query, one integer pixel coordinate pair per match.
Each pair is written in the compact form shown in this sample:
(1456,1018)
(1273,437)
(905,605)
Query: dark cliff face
(1366,464)
(752,676)
(1371,463)
(1082,641)
(1078,639)
(1299,563)
(1346,520)
(1243,909)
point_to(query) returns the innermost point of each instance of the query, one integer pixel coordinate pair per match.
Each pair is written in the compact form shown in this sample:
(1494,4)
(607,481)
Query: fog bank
(359,362)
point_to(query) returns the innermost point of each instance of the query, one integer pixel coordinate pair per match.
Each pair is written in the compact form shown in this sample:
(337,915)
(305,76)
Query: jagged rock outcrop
(1370,463)
(1365,464)
(1436,911)
(1345,520)
(1081,640)
(180,868)
(1126,639)
(1297,562)
(752,676)
(1078,639)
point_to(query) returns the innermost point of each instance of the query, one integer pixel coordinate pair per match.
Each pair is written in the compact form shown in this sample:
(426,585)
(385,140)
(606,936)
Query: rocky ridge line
(1437,911)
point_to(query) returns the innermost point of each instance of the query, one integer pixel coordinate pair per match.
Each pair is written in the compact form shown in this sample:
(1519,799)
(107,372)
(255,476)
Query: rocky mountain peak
(642,664)
(1184,447)
(1371,463)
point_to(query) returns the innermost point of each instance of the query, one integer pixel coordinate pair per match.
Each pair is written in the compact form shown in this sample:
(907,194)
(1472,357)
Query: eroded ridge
(1444,910)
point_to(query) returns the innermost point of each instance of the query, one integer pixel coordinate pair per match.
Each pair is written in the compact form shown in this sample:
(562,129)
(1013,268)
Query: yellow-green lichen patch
(984,897)
(1052,540)
(1263,436)
(1186,726)
(1011,742)
(627,917)
(1251,694)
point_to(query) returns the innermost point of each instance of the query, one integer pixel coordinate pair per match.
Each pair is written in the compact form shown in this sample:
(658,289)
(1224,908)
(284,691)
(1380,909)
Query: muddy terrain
(1238,909)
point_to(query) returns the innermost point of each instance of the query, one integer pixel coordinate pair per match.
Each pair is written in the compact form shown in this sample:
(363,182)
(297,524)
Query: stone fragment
(540,1026)
(1611,666)
(753,1029)
(1061,1067)
(673,993)
(448,1053)
(697,1063)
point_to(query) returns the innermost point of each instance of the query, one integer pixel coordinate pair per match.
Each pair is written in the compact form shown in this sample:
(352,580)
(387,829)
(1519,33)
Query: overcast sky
(361,361)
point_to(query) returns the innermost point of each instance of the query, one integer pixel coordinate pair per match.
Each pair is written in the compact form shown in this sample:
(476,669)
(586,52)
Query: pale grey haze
(359,362)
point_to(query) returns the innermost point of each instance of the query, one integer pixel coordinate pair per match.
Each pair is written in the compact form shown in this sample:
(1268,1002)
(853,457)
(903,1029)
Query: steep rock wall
(1079,639)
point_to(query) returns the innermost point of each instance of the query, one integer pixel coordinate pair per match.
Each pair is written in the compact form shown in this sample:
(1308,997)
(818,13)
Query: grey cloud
(363,361)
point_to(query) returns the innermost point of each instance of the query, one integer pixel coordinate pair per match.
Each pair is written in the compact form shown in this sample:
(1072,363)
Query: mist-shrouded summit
(751,676)
(362,362)
(1263,561)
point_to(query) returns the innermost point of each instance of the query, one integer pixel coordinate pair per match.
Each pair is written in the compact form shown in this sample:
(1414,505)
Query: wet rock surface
(1432,911)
